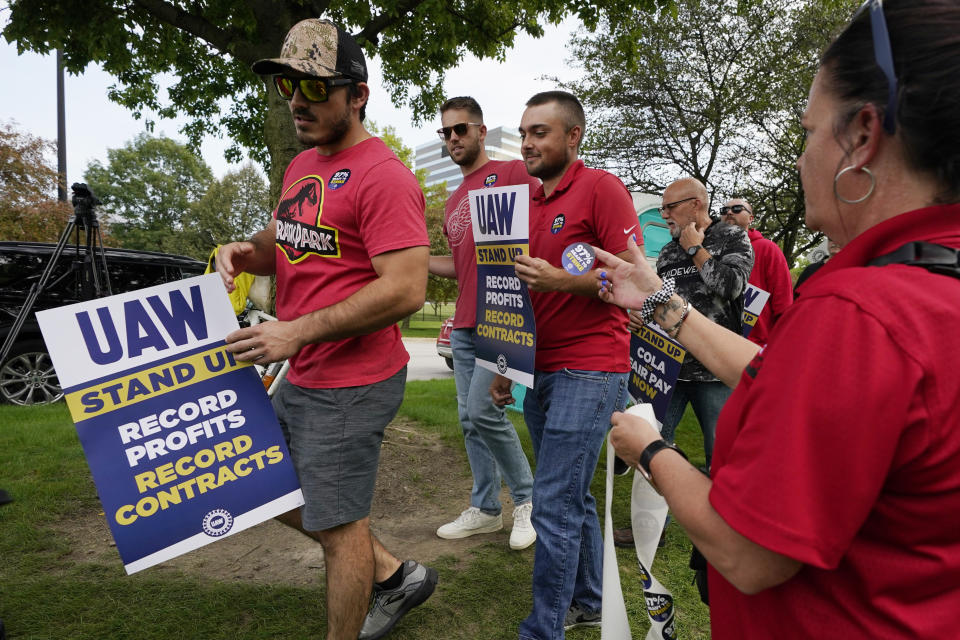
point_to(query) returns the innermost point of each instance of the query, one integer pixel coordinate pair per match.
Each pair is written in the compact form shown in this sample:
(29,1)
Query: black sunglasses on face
(460,129)
(883,55)
(669,206)
(313,89)
(737,208)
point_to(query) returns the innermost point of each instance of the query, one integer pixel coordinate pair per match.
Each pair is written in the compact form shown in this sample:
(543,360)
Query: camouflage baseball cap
(318,48)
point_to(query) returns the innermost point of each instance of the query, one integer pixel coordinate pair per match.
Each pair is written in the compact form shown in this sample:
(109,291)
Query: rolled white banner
(648,513)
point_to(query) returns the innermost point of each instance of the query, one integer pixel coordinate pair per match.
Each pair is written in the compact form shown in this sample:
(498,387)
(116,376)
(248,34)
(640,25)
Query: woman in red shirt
(831,507)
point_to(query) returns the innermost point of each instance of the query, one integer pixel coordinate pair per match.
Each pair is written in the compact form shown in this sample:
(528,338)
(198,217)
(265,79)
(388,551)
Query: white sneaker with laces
(523,534)
(469,523)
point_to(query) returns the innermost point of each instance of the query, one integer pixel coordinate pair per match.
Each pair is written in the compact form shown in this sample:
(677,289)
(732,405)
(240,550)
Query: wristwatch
(646,457)
(692,251)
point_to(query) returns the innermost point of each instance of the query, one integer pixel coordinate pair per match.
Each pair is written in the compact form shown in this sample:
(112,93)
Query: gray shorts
(334,436)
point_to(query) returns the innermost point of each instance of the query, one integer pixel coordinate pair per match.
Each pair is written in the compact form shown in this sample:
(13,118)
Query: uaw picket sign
(506,335)
(754,299)
(655,363)
(181,439)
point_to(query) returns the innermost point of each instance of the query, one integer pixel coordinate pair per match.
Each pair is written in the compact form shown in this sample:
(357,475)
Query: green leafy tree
(29,209)
(209,45)
(233,208)
(148,189)
(711,90)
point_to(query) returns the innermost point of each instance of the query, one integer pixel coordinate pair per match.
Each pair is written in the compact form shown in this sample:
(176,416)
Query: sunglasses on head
(883,55)
(313,89)
(737,208)
(460,129)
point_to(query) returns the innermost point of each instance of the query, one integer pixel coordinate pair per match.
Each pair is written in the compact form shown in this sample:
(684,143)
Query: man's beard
(547,171)
(470,155)
(337,129)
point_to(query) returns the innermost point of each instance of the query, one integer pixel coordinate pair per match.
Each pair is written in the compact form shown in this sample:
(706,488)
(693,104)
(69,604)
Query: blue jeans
(493,447)
(707,399)
(568,415)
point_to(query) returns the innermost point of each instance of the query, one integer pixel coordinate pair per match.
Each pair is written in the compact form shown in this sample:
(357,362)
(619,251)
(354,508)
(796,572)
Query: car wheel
(27,376)
(449,363)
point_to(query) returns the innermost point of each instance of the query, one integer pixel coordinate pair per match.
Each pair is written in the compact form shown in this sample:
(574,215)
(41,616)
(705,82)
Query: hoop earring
(873,183)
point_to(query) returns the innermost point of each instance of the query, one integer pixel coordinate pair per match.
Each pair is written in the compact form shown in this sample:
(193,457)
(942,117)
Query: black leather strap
(935,258)
(653,449)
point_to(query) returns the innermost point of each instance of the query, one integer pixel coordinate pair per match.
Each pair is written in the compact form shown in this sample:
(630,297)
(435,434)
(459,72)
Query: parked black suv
(27,375)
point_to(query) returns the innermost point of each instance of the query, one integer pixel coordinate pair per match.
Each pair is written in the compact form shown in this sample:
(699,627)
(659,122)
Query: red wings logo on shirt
(458,224)
(299,232)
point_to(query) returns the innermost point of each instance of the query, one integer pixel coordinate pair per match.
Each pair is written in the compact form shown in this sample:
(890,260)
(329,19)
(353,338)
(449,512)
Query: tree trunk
(281,139)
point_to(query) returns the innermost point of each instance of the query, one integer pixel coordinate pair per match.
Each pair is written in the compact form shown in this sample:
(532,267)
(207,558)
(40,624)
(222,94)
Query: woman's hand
(624,284)
(630,436)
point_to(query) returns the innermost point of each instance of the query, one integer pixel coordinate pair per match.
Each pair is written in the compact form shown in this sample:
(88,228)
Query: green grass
(44,595)
(426,322)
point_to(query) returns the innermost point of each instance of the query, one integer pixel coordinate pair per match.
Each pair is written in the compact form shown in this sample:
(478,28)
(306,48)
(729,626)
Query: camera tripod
(94,280)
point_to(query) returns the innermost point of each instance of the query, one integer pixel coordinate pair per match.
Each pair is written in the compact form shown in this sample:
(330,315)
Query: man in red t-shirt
(770,271)
(582,361)
(349,246)
(493,447)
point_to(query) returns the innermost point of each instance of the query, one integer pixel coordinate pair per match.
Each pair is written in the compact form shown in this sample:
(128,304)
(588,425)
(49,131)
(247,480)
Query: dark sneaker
(389,605)
(577,617)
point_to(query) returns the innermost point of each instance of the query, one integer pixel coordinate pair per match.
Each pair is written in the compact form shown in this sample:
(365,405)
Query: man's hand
(231,259)
(634,320)
(539,274)
(266,342)
(500,391)
(691,236)
(630,435)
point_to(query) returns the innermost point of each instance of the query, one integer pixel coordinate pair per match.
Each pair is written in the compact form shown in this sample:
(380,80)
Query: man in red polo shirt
(582,361)
(770,271)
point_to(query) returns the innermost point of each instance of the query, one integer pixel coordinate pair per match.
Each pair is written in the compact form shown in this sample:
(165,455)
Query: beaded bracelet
(658,298)
(675,329)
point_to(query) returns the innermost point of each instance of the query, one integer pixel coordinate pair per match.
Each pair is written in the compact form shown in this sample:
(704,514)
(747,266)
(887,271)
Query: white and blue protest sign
(505,336)
(655,363)
(754,299)
(181,439)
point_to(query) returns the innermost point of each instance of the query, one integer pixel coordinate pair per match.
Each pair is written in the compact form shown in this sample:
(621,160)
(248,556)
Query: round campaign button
(578,258)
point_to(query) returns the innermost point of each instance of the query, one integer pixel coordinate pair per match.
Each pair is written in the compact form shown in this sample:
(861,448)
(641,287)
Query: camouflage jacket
(716,291)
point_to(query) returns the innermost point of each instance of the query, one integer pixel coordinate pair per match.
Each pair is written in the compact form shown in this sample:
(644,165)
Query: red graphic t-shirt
(459,231)
(336,213)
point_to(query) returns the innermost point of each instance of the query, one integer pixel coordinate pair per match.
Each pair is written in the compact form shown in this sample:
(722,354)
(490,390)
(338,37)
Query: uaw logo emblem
(490,180)
(501,363)
(299,232)
(217,523)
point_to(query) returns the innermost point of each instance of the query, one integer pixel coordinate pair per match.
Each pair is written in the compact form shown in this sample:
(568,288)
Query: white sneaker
(471,522)
(523,534)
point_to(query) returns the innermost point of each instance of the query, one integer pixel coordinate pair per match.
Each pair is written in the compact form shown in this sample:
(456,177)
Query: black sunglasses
(669,206)
(736,208)
(460,129)
(313,89)
(883,54)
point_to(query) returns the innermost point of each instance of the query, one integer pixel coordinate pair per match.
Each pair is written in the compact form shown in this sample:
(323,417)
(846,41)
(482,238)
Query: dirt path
(421,484)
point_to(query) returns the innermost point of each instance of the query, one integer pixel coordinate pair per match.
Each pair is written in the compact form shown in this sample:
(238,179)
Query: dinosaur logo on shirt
(299,232)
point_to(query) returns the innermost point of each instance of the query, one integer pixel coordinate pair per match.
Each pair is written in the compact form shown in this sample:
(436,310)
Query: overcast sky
(94,124)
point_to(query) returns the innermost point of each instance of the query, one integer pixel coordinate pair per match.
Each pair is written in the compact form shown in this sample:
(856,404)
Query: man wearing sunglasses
(770,271)
(710,263)
(493,447)
(349,247)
